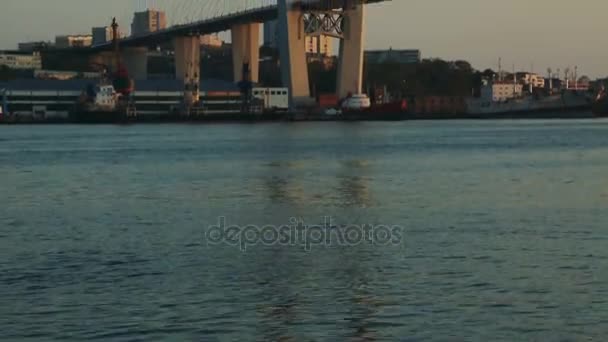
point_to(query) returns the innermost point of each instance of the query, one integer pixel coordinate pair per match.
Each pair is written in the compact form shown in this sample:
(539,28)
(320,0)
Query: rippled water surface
(103,232)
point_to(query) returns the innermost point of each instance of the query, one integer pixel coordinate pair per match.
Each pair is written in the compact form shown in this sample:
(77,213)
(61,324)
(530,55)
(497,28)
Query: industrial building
(34,46)
(20,60)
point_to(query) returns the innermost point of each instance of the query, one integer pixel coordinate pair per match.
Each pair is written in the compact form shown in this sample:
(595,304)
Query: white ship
(99,98)
(487,105)
(356,102)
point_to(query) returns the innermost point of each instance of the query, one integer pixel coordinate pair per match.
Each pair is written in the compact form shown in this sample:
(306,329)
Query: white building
(501,91)
(73,40)
(16,60)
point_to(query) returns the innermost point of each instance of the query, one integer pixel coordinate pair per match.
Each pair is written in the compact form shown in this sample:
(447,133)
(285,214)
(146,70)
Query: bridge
(343,19)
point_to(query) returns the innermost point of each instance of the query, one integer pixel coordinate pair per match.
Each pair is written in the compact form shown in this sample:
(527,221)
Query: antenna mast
(500,69)
(115,44)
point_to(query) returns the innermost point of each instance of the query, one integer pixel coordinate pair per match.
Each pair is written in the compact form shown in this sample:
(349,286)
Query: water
(103,232)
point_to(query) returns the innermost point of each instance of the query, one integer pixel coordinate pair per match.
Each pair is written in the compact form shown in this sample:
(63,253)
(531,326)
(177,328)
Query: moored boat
(600,104)
(109,101)
(100,104)
(359,107)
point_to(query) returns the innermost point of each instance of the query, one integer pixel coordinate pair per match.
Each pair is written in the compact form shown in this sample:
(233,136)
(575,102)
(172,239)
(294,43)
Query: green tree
(7,74)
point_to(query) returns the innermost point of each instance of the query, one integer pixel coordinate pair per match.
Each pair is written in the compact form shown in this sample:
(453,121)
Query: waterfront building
(73,40)
(392,56)
(150,20)
(103,34)
(64,75)
(28,100)
(21,60)
(34,46)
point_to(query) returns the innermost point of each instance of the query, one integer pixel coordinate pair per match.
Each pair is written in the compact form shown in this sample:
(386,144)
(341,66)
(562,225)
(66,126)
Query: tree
(7,74)
(488,74)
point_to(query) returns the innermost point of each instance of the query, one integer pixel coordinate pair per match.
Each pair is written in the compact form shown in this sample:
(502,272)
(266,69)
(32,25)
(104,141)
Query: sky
(525,33)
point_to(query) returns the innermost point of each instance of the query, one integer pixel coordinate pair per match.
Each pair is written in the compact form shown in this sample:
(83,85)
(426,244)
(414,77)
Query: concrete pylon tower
(292,50)
(187,65)
(350,64)
(246,50)
(136,61)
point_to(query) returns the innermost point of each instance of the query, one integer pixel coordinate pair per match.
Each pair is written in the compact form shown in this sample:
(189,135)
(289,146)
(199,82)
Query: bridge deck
(222,23)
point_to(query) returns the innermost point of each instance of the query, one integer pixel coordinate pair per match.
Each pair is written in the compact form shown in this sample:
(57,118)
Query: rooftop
(141,85)
(16,52)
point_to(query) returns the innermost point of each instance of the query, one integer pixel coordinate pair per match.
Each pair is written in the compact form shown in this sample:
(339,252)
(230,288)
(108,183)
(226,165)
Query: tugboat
(108,101)
(600,105)
(100,103)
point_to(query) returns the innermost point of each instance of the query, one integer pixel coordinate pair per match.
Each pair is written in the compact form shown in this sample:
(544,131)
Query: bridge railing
(184,12)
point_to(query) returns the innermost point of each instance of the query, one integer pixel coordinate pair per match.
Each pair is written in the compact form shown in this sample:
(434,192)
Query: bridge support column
(188,65)
(246,50)
(350,65)
(292,49)
(103,59)
(135,59)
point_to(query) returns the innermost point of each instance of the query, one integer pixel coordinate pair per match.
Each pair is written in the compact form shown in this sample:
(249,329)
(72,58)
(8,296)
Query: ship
(358,107)
(108,101)
(101,103)
(568,102)
(600,104)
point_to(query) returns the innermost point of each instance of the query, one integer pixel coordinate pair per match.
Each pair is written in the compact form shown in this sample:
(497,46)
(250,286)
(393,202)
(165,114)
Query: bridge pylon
(246,50)
(350,63)
(188,65)
(292,51)
(345,20)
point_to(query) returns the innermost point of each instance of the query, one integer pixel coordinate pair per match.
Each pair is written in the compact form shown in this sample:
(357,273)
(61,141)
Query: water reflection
(292,183)
(356,292)
(353,183)
(280,184)
(277,294)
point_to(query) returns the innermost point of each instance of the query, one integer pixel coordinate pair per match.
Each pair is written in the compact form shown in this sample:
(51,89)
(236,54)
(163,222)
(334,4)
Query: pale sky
(542,33)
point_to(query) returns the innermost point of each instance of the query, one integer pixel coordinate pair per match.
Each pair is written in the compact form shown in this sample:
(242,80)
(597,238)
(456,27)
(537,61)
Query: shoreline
(295,118)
